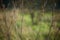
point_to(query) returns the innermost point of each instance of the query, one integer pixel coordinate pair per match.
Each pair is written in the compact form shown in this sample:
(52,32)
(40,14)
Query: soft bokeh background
(29,20)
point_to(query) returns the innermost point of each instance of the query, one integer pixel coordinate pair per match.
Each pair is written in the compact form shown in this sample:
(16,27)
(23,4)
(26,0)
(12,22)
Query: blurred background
(29,19)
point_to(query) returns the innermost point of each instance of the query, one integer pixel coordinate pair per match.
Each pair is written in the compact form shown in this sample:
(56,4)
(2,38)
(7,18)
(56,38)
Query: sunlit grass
(42,28)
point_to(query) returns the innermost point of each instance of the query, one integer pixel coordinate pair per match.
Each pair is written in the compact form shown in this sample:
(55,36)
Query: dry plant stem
(22,19)
(8,28)
(51,25)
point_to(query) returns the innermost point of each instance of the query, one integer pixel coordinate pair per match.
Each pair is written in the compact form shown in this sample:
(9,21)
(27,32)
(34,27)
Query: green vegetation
(19,26)
(36,32)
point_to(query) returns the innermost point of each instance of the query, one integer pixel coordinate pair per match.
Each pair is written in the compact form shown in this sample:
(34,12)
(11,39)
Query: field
(20,27)
(34,32)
